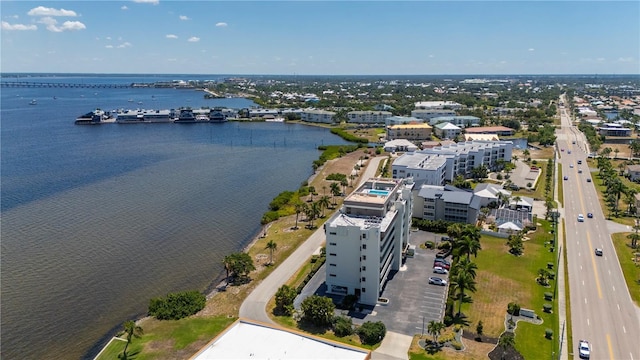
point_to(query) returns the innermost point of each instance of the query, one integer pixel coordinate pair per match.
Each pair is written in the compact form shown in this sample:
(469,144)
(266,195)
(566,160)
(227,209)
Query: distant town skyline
(321,38)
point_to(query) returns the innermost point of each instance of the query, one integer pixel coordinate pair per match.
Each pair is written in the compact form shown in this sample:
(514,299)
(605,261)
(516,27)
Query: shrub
(548,333)
(349,301)
(336,177)
(317,310)
(547,308)
(284,300)
(429,244)
(177,305)
(456,345)
(343,326)
(371,333)
(499,177)
(513,309)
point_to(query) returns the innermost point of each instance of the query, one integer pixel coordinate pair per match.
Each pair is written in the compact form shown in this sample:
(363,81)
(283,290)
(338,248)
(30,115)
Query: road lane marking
(614,288)
(588,322)
(582,282)
(618,307)
(623,329)
(585,300)
(595,267)
(610,348)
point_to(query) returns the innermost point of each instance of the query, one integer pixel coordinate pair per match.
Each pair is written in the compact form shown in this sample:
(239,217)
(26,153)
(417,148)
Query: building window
(364,290)
(332,275)
(332,244)
(332,264)
(364,246)
(364,268)
(364,236)
(332,254)
(364,257)
(332,233)
(364,279)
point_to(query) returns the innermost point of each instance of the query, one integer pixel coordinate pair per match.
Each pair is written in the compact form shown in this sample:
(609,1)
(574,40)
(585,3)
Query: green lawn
(560,185)
(503,278)
(169,338)
(630,269)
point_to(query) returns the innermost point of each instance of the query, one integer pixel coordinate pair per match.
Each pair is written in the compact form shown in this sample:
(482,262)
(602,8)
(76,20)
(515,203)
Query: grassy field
(567,293)
(630,268)
(503,278)
(622,219)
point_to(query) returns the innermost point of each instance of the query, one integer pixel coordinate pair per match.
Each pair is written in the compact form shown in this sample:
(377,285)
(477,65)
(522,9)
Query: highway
(602,311)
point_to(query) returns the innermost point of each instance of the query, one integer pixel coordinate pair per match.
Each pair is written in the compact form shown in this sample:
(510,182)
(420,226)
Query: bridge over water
(29,84)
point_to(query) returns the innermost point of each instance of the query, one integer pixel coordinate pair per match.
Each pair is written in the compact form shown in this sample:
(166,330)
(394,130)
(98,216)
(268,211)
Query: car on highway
(588,179)
(590,215)
(440,270)
(598,252)
(573,142)
(569,152)
(437,281)
(579,171)
(580,218)
(584,350)
(571,166)
(566,177)
(579,162)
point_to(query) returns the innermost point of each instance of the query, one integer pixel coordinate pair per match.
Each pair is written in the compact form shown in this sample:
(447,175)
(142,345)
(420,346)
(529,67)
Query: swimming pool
(379,192)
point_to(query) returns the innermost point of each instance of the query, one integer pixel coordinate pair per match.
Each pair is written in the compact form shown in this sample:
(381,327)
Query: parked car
(437,281)
(598,252)
(441,264)
(440,270)
(584,350)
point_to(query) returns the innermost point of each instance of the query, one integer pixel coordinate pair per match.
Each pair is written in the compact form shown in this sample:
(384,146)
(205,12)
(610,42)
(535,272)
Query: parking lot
(412,300)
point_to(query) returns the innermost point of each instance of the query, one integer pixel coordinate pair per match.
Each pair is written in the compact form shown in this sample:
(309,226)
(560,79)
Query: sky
(320,37)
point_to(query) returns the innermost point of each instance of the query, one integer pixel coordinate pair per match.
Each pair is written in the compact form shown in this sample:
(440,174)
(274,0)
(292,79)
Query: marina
(145,116)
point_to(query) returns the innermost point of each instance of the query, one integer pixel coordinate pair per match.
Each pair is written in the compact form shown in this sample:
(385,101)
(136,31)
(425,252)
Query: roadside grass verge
(560,185)
(601,189)
(503,278)
(473,350)
(630,269)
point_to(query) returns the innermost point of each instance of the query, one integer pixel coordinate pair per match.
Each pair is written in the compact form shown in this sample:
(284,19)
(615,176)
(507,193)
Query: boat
(33,102)
(216,115)
(186,116)
(94,117)
(130,117)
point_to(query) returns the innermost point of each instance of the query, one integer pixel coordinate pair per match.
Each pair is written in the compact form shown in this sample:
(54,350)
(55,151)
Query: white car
(583,349)
(580,218)
(440,270)
(437,281)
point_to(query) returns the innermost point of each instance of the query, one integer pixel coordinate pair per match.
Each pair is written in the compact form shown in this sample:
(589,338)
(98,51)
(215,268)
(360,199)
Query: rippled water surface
(96,220)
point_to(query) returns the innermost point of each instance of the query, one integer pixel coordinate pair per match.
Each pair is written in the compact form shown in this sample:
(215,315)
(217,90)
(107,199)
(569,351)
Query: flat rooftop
(247,340)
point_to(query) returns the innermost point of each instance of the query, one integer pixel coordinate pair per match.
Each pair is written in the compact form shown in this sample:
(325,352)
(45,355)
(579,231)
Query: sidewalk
(561,296)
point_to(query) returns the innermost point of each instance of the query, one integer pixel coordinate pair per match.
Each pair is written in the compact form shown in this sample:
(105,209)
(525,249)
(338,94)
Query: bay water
(96,220)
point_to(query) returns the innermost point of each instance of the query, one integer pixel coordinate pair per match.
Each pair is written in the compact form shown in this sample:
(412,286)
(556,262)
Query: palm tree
(324,203)
(434,328)
(516,200)
(300,207)
(461,282)
(506,341)
(272,246)
(335,191)
(131,329)
(344,184)
(464,266)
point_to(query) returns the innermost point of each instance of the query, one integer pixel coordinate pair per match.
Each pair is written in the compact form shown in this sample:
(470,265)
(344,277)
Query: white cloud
(19,27)
(124,45)
(194,39)
(154,2)
(532,49)
(221,24)
(172,60)
(184,17)
(108,38)
(431,56)
(52,25)
(171,36)
(625,59)
(124,7)
(109,46)
(44,11)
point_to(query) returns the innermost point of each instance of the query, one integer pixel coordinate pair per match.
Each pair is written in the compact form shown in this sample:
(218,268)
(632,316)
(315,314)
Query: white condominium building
(318,116)
(426,166)
(427,115)
(368,117)
(367,237)
(434,105)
